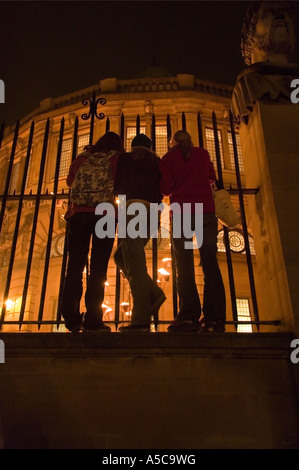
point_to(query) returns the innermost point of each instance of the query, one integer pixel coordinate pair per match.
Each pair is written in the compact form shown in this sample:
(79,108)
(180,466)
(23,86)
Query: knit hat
(141,140)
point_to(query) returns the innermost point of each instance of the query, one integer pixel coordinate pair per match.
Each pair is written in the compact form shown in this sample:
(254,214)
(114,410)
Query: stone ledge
(276,345)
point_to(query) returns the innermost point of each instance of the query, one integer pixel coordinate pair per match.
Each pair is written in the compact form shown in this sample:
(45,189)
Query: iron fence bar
(174,280)
(183,121)
(9,171)
(75,139)
(168,126)
(34,224)
(17,226)
(64,195)
(117,272)
(199,130)
(173,266)
(243,191)
(244,223)
(122,129)
(225,230)
(92,110)
(62,276)
(87,269)
(117,292)
(153,132)
(2,132)
(51,225)
(154,238)
(137,124)
(65,253)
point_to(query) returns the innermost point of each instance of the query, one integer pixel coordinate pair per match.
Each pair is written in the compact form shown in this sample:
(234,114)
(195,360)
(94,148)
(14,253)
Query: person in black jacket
(138,179)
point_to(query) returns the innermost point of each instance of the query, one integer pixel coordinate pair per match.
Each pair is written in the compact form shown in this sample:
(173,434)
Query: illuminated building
(169,102)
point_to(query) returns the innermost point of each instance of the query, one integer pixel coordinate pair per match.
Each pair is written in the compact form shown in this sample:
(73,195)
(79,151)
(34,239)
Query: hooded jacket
(138,176)
(188,181)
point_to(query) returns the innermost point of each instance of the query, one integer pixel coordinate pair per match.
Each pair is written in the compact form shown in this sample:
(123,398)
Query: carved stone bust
(267,43)
(268,32)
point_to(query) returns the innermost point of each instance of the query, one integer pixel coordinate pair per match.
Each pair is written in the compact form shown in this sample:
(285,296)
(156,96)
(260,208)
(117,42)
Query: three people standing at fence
(104,171)
(186,176)
(138,179)
(91,178)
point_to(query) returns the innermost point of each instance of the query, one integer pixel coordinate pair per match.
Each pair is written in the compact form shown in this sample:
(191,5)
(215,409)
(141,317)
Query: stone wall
(155,391)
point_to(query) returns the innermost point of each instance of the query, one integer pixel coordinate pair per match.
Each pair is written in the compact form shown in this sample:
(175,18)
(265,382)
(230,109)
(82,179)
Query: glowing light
(106,308)
(125,306)
(163,272)
(10,304)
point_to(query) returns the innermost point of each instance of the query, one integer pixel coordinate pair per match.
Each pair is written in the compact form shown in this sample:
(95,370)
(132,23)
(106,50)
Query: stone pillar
(270,147)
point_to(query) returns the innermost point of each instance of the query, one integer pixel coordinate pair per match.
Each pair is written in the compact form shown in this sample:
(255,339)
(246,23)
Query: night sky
(53,48)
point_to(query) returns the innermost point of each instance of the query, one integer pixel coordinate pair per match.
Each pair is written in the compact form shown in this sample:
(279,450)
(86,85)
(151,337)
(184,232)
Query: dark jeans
(81,232)
(131,259)
(214,305)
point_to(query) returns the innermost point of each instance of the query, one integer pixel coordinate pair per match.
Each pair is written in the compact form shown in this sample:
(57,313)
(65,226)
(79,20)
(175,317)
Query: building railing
(38,197)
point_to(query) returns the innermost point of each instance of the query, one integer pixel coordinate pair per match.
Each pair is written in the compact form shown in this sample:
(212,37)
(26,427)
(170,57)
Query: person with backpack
(138,179)
(91,179)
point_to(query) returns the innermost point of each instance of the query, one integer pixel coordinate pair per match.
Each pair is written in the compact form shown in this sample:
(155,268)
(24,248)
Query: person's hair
(184,143)
(141,140)
(109,141)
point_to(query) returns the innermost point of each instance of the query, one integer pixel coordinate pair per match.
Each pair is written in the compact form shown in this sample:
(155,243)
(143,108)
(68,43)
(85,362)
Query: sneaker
(211,326)
(98,328)
(183,326)
(134,328)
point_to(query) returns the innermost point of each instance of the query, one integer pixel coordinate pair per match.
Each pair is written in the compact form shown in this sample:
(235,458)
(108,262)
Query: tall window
(161,140)
(83,140)
(14,178)
(28,170)
(66,157)
(243,312)
(210,140)
(130,134)
(231,151)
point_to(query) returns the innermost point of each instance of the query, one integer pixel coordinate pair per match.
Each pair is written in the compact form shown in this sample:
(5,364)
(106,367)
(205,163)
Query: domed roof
(154,71)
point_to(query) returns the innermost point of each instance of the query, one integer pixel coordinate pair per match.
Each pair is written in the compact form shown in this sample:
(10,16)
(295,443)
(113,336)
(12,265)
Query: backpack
(93,182)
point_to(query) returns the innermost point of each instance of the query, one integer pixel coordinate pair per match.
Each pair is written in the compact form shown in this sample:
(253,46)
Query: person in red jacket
(186,177)
(81,230)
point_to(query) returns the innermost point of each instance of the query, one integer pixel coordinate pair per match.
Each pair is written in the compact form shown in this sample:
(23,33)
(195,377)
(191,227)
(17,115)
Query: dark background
(48,49)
